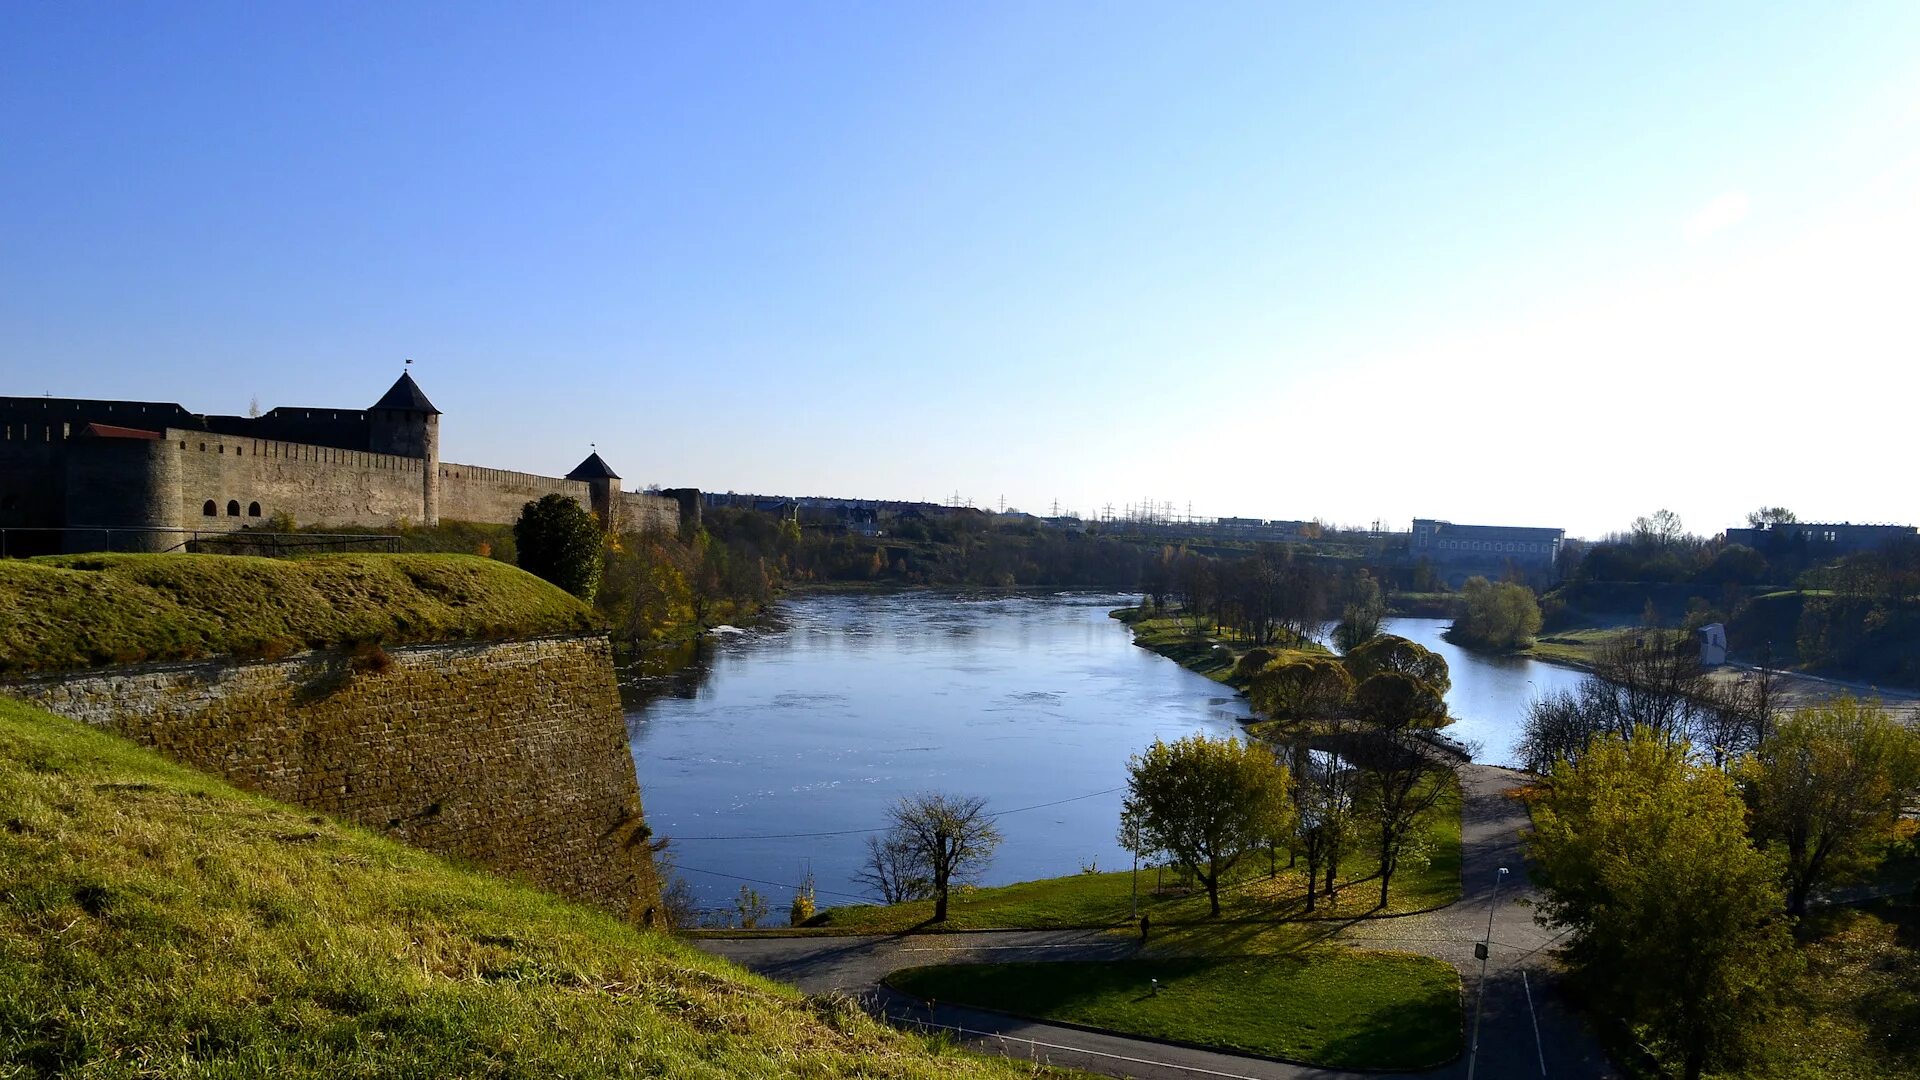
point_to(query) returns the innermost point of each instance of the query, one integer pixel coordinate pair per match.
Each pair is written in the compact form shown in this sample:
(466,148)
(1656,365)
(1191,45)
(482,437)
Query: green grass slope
(86,610)
(155,922)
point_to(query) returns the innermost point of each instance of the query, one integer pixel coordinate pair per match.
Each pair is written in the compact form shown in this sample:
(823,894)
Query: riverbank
(1179,640)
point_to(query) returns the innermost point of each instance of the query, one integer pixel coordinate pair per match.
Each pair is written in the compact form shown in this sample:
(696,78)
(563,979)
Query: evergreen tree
(560,540)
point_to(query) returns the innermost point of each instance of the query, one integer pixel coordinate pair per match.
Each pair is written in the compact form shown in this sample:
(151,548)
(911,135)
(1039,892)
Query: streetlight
(1481,950)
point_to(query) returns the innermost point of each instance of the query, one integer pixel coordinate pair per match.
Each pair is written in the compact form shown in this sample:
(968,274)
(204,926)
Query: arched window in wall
(233,507)
(253,509)
(209,509)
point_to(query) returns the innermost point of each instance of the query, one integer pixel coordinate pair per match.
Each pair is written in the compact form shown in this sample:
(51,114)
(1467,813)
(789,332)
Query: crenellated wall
(316,484)
(476,493)
(641,511)
(513,754)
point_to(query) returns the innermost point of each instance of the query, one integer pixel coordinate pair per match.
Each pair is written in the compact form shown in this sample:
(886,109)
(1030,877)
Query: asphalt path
(1526,1030)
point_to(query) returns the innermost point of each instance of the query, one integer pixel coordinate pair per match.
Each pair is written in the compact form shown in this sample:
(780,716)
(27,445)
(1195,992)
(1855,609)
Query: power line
(776,884)
(857,832)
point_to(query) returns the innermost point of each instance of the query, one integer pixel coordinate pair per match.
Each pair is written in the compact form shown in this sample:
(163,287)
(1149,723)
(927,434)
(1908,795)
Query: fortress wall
(476,493)
(318,485)
(31,492)
(640,511)
(513,754)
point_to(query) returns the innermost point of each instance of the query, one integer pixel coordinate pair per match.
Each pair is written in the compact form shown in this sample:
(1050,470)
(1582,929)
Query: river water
(781,750)
(1490,694)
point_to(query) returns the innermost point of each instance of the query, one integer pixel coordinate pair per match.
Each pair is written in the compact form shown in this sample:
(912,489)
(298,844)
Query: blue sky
(1509,263)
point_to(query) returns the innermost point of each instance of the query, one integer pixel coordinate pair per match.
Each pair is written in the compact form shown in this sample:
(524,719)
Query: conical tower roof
(593,469)
(405,394)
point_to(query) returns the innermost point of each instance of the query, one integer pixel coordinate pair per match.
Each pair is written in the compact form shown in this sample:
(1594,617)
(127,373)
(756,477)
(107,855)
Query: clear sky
(1549,264)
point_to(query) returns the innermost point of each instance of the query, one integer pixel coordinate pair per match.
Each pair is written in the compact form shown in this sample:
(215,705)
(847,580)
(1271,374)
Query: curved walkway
(1521,990)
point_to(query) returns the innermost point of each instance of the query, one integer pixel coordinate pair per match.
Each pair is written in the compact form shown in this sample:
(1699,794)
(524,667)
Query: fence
(51,540)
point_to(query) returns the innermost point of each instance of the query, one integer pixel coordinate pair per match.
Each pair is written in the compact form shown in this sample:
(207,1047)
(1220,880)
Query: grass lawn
(73,611)
(1576,648)
(155,922)
(1325,1006)
(1103,899)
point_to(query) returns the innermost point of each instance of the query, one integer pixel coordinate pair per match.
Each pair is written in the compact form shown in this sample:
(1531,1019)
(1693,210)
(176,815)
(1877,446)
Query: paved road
(1520,991)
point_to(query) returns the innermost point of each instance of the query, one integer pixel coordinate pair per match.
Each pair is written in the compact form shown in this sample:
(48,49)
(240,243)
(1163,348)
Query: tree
(1501,616)
(1674,918)
(1324,797)
(891,870)
(1652,681)
(751,906)
(1205,802)
(935,840)
(559,540)
(1662,529)
(1392,701)
(1362,614)
(1400,783)
(1389,652)
(1310,688)
(1827,787)
(1770,515)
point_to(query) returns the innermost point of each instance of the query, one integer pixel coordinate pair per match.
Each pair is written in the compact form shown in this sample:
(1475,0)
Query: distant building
(1818,539)
(1459,552)
(1713,644)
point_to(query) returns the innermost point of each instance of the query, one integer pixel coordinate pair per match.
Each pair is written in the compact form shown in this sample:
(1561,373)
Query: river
(780,751)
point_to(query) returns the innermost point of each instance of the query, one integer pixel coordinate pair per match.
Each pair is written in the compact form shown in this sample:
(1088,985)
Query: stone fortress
(147,476)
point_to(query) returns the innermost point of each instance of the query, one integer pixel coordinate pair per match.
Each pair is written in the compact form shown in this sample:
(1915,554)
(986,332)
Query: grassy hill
(156,922)
(86,610)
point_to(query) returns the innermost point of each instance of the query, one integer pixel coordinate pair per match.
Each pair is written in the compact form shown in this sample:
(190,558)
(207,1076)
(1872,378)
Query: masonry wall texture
(512,754)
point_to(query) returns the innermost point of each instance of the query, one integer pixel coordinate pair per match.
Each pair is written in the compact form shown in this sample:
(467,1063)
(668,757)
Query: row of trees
(1273,595)
(1658,549)
(1206,804)
(1348,768)
(656,583)
(1652,681)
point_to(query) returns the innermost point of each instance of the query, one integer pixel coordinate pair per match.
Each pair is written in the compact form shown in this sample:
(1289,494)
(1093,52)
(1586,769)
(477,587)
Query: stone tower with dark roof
(404,422)
(603,484)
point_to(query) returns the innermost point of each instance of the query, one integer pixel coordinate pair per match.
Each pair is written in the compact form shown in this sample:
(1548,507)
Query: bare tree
(1323,793)
(1652,683)
(891,870)
(937,839)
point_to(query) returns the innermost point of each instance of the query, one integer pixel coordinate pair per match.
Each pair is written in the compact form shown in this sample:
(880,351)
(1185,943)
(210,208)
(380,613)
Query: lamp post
(1481,950)
(1134,905)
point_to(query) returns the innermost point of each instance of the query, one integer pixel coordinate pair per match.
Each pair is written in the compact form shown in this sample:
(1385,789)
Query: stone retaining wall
(512,754)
